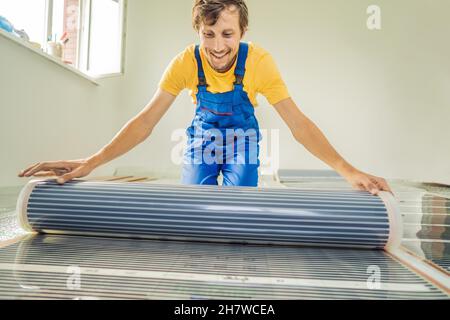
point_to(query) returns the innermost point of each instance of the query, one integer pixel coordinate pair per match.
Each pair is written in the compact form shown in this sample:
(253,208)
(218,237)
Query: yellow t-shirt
(261,76)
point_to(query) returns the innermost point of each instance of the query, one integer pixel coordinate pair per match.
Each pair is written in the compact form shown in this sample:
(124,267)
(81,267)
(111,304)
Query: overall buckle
(202,82)
(239,80)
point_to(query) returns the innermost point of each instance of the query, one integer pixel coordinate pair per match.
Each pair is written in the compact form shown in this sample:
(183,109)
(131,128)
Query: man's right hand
(63,170)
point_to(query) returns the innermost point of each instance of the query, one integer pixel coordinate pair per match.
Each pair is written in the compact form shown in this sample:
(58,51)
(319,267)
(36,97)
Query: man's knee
(240,175)
(200,174)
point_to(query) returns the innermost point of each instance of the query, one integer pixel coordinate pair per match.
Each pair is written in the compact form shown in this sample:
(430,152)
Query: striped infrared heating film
(204,213)
(427,228)
(425,214)
(295,175)
(43,266)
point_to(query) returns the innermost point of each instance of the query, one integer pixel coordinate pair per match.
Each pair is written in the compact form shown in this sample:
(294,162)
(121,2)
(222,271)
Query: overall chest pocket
(215,111)
(222,108)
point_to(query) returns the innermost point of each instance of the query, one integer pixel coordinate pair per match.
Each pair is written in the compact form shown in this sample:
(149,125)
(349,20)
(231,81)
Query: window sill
(109,75)
(27,45)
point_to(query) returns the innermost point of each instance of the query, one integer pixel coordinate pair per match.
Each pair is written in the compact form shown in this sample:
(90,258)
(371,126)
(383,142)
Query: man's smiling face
(221,41)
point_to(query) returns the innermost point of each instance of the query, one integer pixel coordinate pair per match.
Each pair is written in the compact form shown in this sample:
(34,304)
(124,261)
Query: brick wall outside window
(71,13)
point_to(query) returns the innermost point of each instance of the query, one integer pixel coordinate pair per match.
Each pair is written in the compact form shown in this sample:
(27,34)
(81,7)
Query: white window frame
(84,23)
(48,20)
(84,37)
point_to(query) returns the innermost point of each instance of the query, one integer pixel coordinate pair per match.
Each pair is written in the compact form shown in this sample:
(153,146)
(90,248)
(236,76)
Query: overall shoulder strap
(201,73)
(239,72)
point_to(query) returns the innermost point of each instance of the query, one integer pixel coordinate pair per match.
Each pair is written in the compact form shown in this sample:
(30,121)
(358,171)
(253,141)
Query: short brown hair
(208,12)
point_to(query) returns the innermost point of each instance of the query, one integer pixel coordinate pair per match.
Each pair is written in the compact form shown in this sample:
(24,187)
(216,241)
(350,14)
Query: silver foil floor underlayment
(44,266)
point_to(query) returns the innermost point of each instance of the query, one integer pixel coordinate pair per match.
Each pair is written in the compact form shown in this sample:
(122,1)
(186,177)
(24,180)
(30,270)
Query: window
(89,33)
(31,20)
(105,37)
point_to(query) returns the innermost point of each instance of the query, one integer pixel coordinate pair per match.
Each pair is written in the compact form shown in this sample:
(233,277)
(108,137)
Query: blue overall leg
(203,174)
(243,175)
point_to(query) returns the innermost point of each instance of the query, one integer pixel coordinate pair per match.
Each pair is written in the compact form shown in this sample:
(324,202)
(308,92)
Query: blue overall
(224,136)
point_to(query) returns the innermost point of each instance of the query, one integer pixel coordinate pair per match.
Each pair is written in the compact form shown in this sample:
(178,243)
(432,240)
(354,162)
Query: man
(224,75)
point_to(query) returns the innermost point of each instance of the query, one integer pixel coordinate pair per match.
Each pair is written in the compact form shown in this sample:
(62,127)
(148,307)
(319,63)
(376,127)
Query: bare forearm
(132,134)
(136,130)
(310,136)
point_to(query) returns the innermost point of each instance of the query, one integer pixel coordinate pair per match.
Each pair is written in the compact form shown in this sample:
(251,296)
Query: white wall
(381,97)
(48,112)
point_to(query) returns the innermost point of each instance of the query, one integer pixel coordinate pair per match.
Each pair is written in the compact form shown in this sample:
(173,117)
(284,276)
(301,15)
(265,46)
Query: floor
(70,267)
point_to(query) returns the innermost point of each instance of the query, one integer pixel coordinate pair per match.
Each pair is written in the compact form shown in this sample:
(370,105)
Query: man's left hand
(363,181)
